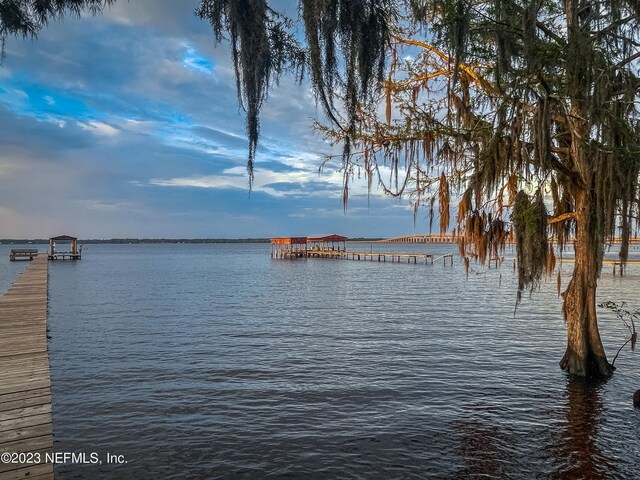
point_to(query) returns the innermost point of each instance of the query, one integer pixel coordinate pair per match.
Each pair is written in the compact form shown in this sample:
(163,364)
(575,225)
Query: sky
(127,125)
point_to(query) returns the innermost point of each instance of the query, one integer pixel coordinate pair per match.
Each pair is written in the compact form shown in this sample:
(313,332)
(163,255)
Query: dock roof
(288,240)
(327,238)
(63,237)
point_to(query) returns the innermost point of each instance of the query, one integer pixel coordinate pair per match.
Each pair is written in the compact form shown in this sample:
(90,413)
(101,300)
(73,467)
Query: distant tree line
(121,241)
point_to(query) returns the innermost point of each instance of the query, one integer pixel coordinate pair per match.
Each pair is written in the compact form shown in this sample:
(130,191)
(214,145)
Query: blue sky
(127,125)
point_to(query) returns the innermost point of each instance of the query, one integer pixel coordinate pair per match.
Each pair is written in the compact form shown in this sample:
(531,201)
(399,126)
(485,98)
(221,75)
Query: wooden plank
(21,378)
(24,348)
(32,336)
(24,433)
(25,402)
(25,379)
(35,458)
(27,368)
(26,331)
(27,360)
(15,396)
(28,444)
(9,415)
(40,471)
(26,385)
(25,422)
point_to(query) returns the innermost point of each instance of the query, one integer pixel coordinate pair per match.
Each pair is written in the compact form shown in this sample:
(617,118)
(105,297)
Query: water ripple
(213,361)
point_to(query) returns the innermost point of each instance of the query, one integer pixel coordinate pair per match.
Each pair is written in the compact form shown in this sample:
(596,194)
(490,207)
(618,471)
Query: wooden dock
(616,264)
(371,256)
(25,382)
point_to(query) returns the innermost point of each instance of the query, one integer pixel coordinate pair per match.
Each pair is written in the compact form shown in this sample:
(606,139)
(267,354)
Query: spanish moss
(262,49)
(529,219)
(471,102)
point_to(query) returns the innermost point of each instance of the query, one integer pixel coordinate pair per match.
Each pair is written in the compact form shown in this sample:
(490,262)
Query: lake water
(215,361)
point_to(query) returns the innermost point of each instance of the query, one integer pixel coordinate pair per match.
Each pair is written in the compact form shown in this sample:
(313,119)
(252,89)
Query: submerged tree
(511,104)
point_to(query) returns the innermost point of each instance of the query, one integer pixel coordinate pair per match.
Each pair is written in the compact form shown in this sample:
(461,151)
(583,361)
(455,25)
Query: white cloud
(99,128)
(236,178)
(306,183)
(14,98)
(18,93)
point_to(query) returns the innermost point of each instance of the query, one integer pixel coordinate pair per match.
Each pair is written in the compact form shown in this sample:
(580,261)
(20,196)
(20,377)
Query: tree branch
(551,33)
(562,168)
(563,217)
(628,60)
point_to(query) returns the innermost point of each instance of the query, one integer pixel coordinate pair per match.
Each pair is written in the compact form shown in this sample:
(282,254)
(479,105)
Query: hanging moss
(443,203)
(347,42)
(262,49)
(529,218)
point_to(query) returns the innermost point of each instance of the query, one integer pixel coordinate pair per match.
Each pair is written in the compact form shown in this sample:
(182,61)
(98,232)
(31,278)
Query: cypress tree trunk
(585,355)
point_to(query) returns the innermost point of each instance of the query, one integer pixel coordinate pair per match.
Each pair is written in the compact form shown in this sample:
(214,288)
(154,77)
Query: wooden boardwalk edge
(25,376)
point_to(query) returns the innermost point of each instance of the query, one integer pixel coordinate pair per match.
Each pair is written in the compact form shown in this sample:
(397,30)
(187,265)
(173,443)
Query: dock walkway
(365,256)
(371,256)
(25,381)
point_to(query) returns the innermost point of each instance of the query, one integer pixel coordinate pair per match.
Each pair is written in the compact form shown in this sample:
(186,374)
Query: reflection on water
(9,271)
(483,449)
(578,449)
(214,361)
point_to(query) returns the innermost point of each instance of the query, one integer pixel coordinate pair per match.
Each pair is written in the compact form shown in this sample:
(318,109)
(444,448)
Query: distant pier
(334,247)
(426,238)
(25,381)
(454,237)
(372,256)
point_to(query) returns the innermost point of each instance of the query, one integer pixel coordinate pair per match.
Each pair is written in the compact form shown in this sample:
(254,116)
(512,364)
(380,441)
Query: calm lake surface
(215,361)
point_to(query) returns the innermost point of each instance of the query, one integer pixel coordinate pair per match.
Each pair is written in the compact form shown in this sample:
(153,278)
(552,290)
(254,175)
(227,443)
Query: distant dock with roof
(334,246)
(55,252)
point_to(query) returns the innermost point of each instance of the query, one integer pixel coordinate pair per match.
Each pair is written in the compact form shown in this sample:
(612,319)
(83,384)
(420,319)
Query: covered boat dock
(289,247)
(74,253)
(335,247)
(325,243)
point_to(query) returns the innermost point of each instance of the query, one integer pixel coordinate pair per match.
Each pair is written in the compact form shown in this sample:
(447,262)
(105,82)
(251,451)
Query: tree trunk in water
(585,354)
